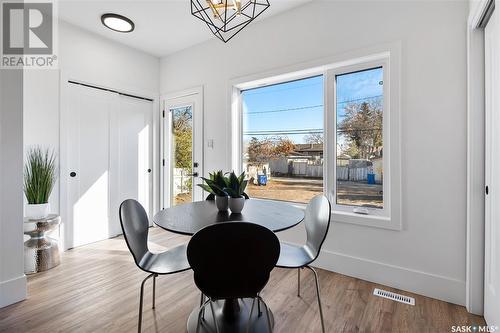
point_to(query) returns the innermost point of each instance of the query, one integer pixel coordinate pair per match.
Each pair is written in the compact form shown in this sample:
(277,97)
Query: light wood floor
(96,289)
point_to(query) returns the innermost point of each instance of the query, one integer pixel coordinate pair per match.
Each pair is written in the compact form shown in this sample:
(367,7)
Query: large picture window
(283,139)
(331,129)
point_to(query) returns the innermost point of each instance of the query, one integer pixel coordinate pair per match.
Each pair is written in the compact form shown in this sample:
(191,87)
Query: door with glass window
(182,152)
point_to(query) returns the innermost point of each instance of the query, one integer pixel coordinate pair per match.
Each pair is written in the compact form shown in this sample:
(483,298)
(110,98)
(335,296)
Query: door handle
(149,170)
(194,174)
(72,174)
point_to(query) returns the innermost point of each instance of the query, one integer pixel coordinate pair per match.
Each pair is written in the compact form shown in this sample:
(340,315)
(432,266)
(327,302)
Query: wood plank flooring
(96,289)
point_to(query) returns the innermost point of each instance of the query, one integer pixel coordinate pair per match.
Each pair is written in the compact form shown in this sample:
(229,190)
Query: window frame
(387,57)
(346,212)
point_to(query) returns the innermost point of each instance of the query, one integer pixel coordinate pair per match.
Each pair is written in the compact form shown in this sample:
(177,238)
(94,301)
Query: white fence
(301,168)
(306,169)
(181,183)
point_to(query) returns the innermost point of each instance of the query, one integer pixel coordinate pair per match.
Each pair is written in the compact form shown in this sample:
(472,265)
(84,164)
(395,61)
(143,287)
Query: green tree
(182,125)
(263,150)
(362,127)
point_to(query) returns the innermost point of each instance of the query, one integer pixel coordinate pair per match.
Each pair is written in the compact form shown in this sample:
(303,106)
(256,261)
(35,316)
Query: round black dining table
(232,315)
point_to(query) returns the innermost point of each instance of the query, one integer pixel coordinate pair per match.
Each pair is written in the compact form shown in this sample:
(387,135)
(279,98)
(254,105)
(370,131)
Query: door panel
(131,155)
(109,150)
(492,172)
(88,161)
(183,135)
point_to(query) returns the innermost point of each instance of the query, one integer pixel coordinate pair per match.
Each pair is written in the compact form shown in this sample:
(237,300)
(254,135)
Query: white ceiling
(161,27)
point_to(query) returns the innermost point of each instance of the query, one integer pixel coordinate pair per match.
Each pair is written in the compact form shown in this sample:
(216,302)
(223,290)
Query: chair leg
(298,282)
(139,326)
(269,327)
(250,317)
(213,315)
(199,315)
(258,308)
(154,290)
(319,300)
(202,300)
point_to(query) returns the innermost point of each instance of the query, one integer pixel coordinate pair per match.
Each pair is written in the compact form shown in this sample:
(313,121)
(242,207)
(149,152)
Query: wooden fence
(352,174)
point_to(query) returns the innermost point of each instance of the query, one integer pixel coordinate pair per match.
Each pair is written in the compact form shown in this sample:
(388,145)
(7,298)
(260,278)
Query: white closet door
(131,154)
(88,176)
(109,159)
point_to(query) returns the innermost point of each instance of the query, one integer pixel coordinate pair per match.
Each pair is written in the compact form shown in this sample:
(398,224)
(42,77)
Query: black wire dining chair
(135,226)
(232,260)
(317,223)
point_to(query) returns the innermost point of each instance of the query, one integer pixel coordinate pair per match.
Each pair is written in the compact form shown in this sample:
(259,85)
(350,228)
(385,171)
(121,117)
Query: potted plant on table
(39,179)
(236,190)
(215,184)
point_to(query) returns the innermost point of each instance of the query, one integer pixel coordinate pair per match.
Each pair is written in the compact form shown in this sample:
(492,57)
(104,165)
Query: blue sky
(298,105)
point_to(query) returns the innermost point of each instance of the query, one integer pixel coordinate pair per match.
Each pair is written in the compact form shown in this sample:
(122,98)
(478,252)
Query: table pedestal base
(234,322)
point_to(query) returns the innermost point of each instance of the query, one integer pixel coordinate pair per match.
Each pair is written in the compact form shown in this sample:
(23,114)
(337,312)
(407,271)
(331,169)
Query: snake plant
(39,175)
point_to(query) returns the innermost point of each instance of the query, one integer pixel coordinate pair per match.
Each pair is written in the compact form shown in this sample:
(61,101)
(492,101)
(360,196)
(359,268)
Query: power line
(253,92)
(306,131)
(291,131)
(285,110)
(310,106)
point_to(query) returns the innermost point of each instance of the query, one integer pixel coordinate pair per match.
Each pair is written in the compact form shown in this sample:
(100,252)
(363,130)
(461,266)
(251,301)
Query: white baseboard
(12,291)
(426,284)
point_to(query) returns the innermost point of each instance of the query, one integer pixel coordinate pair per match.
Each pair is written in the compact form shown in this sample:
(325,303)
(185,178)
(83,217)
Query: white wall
(428,255)
(41,115)
(87,58)
(12,278)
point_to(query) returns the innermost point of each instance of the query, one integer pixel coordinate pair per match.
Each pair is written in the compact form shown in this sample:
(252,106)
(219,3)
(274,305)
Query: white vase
(37,211)
(221,203)
(236,204)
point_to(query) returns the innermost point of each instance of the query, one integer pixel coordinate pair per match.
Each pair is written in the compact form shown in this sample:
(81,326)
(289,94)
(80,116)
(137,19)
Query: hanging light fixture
(226,18)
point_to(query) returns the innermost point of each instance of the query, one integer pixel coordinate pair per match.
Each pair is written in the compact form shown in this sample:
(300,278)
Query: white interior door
(492,164)
(109,159)
(182,149)
(131,155)
(88,178)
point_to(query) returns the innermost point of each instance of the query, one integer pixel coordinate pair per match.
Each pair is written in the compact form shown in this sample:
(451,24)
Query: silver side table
(40,251)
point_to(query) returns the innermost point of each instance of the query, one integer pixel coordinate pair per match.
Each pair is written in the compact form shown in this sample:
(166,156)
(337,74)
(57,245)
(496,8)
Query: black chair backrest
(135,226)
(233,259)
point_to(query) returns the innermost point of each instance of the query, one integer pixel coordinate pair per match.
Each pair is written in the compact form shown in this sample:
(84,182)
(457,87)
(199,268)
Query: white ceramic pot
(236,204)
(221,202)
(37,211)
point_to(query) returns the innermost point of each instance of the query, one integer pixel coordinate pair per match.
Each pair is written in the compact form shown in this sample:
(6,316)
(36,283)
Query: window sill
(374,221)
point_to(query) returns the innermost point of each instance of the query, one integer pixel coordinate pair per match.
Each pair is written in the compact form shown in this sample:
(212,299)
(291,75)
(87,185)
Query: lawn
(303,189)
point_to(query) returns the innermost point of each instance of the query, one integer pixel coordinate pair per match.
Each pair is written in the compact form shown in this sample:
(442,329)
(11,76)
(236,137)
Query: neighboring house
(309,149)
(305,161)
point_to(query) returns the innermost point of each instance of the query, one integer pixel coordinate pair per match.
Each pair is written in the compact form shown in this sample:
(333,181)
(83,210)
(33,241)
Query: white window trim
(389,57)
(346,213)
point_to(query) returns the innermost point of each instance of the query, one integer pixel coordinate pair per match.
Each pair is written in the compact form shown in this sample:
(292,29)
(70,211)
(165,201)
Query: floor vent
(394,296)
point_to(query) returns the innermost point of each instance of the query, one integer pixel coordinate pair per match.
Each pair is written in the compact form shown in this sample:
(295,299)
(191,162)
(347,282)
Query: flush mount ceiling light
(226,18)
(117,22)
